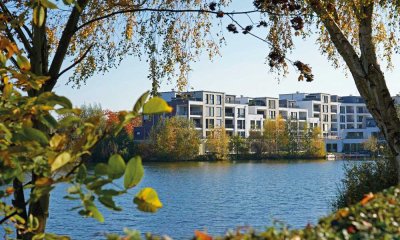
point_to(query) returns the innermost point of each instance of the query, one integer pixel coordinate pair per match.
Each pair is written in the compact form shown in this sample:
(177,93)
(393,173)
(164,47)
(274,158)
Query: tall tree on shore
(352,34)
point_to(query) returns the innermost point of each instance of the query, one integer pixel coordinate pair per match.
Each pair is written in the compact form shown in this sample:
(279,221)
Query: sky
(241,70)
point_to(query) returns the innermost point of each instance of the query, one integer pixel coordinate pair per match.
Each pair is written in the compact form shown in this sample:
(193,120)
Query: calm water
(213,197)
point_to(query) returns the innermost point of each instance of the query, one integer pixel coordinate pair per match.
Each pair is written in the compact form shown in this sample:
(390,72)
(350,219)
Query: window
(252,124)
(272,114)
(359,118)
(258,124)
(210,123)
(326,99)
(325,108)
(271,104)
(218,112)
(359,126)
(219,99)
(210,112)
(325,117)
(218,123)
(342,126)
(241,124)
(293,115)
(241,112)
(207,98)
(211,99)
(342,109)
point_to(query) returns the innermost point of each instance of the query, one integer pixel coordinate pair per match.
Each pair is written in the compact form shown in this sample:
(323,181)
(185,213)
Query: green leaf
(81,174)
(32,134)
(116,166)
(68,2)
(108,202)
(133,173)
(101,169)
(60,161)
(67,121)
(48,120)
(94,212)
(140,102)
(147,200)
(23,63)
(98,184)
(156,105)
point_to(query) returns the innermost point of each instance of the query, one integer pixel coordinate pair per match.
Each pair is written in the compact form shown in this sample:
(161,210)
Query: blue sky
(241,70)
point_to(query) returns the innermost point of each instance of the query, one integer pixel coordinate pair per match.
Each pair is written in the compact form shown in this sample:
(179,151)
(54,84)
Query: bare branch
(77,61)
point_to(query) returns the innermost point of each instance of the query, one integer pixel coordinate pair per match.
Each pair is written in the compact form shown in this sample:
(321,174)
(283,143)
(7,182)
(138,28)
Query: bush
(362,178)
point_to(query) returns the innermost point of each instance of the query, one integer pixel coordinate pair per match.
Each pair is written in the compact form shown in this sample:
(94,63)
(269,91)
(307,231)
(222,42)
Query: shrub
(362,178)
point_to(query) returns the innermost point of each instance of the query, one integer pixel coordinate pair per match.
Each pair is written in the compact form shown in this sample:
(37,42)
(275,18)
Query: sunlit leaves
(134,172)
(147,200)
(140,102)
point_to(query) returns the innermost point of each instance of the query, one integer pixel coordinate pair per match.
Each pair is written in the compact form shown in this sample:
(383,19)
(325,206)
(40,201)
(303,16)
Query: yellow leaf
(60,161)
(156,105)
(147,200)
(38,16)
(23,63)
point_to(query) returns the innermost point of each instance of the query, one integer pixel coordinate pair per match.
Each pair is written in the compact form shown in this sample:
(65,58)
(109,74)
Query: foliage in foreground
(36,154)
(362,178)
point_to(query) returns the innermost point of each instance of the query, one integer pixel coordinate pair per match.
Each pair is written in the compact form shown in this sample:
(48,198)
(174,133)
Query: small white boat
(330,157)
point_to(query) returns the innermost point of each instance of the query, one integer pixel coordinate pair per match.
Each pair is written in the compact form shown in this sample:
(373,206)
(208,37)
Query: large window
(218,112)
(219,99)
(241,124)
(211,99)
(272,114)
(241,112)
(210,112)
(209,123)
(271,104)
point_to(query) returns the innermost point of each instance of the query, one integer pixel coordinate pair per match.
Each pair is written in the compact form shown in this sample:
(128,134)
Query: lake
(213,197)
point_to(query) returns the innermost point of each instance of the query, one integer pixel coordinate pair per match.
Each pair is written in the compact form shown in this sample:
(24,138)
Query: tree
(238,144)
(371,145)
(356,33)
(218,143)
(270,135)
(175,139)
(317,143)
(291,133)
(257,142)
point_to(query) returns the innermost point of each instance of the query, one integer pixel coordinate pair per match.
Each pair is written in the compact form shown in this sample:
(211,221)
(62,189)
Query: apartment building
(321,106)
(344,121)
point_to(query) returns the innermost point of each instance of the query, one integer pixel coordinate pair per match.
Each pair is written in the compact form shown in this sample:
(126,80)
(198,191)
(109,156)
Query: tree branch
(63,45)
(76,62)
(169,11)
(19,31)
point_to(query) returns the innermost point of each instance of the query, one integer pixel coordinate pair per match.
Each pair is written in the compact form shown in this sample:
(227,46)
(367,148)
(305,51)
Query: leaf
(60,161)
(133,173)
(48,120)
(101,169)
(38,16)
(140,102)
(23,63)
(98,184)
(32,134)
(116,166)
(147,200)
(94,212)
(156,105)
(108,202)
(201,235)
(44,181)
(81,174)
(56,141)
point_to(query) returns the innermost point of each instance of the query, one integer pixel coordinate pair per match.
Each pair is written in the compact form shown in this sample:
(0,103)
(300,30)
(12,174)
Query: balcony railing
(241,115)
(229,114)
(229,126)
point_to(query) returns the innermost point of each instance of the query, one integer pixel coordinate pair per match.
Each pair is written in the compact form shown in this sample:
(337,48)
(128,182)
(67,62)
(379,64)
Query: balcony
(229,114)
(229,126)
(198,113)
(241,115)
